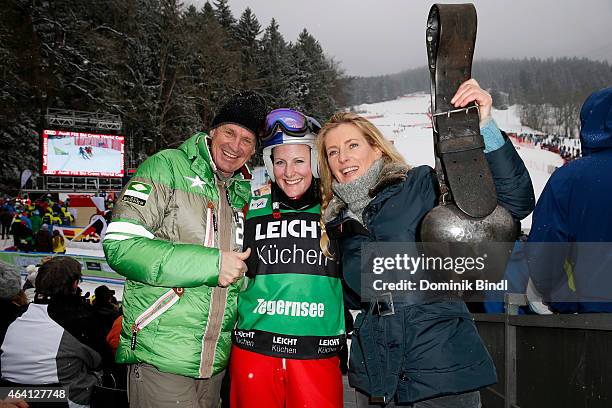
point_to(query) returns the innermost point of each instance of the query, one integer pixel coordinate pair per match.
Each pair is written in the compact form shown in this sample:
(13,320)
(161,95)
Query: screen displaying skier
(68,153)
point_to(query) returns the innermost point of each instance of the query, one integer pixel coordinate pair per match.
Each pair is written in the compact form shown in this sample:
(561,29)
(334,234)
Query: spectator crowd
(568,148)
(31,223)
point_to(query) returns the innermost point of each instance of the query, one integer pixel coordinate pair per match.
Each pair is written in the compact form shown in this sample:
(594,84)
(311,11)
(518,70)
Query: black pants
(5,230)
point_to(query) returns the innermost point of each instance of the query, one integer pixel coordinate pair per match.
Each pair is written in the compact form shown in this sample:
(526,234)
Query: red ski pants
(263,381)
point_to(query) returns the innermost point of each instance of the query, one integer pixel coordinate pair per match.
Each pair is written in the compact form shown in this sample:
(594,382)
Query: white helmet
(288,126)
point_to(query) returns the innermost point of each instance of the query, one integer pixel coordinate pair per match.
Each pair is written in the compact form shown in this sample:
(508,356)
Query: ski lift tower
(66,131)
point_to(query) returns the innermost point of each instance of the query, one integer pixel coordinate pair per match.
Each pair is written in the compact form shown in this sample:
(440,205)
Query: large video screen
(82,154)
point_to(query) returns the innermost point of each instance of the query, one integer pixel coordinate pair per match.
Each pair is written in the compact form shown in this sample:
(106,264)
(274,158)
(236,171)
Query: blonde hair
(372,135)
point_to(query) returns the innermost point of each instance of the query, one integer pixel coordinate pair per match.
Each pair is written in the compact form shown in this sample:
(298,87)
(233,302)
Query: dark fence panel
(492,334)
(549,361)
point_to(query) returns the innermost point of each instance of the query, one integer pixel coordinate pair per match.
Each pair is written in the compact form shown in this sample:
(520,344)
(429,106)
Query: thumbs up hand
(233,266)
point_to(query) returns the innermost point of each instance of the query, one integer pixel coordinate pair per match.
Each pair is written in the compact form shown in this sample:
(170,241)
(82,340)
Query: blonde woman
(426,354)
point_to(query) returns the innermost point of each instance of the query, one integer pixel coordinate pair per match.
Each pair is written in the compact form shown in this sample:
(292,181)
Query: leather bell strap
(460,162)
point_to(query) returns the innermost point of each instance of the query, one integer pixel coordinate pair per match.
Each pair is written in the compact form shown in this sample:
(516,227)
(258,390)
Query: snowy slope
(405,122)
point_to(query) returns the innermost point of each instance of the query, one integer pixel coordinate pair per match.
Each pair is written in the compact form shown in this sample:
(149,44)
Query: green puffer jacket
(163,238)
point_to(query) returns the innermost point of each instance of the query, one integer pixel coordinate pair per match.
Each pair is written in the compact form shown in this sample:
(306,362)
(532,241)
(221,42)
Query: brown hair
(372,135)
(57,276)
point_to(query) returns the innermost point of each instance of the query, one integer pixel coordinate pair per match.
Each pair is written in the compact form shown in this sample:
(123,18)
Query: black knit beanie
(246,109)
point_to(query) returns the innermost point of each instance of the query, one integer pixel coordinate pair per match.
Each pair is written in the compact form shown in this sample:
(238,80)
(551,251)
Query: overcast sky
(371,37)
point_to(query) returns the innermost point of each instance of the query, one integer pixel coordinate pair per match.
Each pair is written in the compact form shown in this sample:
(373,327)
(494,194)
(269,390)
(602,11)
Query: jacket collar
(391,174)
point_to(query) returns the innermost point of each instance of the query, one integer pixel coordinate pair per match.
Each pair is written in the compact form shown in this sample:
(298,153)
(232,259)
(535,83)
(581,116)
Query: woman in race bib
(290,316)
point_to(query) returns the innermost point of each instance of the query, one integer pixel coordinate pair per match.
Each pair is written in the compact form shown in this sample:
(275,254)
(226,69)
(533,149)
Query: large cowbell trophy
(468,220)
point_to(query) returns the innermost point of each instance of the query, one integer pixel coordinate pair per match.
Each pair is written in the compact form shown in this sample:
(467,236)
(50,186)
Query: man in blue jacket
(569,254)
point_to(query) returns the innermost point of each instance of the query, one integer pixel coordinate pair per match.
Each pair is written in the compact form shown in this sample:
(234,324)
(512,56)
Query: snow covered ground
(405,122)
(64,157)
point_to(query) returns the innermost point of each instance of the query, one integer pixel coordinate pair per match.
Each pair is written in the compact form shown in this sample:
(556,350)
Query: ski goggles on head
(290,122)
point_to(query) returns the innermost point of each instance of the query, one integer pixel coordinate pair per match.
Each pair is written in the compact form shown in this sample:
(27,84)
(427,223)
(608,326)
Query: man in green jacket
(176,235)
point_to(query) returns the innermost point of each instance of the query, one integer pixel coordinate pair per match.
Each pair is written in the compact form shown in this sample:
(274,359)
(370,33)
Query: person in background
(42,240)
(112,338)
(36,221)
(47,216)
(6,218)
(104,306)
(30,281)
(26,220)
(66,215)
(10,288)
(31,271)
(55,219)
(22,235)
(568,250)
(58,242)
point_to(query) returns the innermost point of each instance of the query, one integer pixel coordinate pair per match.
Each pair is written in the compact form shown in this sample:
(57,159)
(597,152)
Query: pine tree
(216,71)
(170,105)
(208,10)
(224,15)
(315,77)
(275,66)
(19,111)
(246,32)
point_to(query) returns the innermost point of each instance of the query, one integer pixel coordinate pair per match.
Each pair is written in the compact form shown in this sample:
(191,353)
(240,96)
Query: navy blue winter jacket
(574,213)
(423,350)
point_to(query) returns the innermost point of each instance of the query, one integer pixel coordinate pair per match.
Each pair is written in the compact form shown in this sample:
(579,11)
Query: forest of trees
(551,91)
(163,67)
